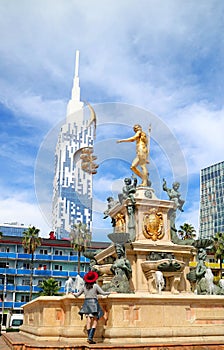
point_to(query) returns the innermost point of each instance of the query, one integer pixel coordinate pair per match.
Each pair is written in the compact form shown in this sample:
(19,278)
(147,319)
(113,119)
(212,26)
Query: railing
(23,256)
(59,273)
(22,272)
(73,273)
(12,305)
(6,255)
(23,288)
(45,257)
(60,257)
(42,257)
(10,287)
(42,272)
(36,272)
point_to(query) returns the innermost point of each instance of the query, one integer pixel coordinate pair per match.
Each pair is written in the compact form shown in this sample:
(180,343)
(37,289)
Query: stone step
(3,345)
(17,341)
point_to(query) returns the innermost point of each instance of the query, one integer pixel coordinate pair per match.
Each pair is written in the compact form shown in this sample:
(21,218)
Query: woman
(91,308)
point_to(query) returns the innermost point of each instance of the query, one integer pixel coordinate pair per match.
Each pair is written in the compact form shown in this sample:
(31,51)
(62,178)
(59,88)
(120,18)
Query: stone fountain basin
(150,265)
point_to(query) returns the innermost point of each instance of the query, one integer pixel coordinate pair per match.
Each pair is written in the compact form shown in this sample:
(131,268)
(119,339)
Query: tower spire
(75,103)
(77,63)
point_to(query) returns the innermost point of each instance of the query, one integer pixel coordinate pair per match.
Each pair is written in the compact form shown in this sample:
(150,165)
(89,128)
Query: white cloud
(200,129)
(29,106)
(18,210)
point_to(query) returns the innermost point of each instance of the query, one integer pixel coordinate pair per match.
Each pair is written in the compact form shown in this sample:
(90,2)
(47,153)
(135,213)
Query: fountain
(144,247)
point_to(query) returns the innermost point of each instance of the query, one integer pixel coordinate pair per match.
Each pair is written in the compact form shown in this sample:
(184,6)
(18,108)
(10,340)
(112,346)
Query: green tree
(187,231)
(1,234)
(30,242)
(49,287)
(80,238)
(218,248)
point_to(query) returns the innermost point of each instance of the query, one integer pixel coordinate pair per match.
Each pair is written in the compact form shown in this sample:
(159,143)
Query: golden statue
(142,152)
(119,223)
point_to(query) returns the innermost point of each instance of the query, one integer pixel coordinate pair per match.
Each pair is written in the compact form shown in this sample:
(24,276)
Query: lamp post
(4,294)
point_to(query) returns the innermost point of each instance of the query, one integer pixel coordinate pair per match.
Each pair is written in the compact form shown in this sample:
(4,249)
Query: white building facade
(72,188)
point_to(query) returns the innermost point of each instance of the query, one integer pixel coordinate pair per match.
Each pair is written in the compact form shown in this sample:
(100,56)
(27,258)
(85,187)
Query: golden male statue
(142,153)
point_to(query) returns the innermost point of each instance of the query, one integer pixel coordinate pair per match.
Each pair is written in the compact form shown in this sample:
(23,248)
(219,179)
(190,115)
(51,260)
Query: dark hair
(89,285)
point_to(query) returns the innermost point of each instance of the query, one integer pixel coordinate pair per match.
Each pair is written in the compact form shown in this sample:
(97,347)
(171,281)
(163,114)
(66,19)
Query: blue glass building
(13,229)
(212,200)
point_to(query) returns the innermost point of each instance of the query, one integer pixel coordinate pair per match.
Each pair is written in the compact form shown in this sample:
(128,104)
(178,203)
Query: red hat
(91,277)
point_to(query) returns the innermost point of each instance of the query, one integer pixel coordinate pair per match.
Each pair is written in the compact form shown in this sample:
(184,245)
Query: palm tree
(49,287)
(187,231)
(30,242)
(80,238)
(218,248)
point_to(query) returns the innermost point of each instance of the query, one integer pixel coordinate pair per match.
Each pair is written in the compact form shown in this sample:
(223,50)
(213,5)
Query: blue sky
(163,58)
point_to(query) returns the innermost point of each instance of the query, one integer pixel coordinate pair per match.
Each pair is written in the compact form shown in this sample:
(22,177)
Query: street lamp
(4,294)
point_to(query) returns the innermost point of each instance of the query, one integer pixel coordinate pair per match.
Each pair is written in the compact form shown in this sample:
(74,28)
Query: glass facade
(212,200)
(13,229)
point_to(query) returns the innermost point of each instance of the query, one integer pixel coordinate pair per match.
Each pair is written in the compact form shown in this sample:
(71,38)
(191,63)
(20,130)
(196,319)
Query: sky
(157,62)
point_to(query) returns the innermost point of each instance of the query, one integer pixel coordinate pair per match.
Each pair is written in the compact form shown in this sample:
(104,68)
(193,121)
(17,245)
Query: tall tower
(212,200)
(72,187)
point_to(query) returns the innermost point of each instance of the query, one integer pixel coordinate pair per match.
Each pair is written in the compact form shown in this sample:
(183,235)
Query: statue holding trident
(142,152)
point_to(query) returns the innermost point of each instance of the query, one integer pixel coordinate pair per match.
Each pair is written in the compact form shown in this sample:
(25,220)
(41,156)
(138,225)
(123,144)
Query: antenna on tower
(75,103)
(77,63)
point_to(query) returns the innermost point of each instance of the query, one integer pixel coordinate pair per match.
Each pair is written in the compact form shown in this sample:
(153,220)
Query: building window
(44,251)
(42,267)
(5,249)
(58,267)
(58,252)
(10,279)
(25,298)
(25,282)
(26,266)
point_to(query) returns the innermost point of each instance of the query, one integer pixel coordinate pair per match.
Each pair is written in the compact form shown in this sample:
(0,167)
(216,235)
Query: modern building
(13,229)
(212,200)
(54,258)
(72,188)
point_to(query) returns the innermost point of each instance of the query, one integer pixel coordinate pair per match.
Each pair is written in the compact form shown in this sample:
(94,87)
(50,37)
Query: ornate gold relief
(153,225)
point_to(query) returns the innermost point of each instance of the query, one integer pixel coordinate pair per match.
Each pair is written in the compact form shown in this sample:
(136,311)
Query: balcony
(7,271)
(42,272)
(10,287)
(41,257)
(6,255)
(22,272)
(23,288)
(59,273)
(24,256)
(12,305)
(60,257)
